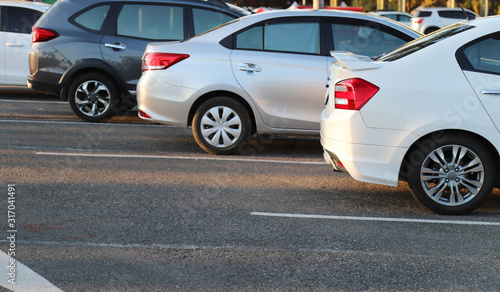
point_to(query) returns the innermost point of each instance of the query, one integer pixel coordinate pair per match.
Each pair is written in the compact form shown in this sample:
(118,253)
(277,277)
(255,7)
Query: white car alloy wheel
(92,97)
(221,125)
(454,178)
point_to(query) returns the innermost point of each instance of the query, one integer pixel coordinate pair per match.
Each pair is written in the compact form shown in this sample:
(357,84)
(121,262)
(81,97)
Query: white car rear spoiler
(352,61)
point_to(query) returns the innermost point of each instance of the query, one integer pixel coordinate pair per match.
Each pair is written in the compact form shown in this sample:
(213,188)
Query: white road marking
(33,101)
(86,124)
(25,279)
(379,219)
(179,157)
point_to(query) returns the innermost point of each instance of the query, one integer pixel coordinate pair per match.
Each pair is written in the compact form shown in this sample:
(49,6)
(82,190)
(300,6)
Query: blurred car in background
(17,18)
(259,74)
(89,52)
(436,129)
(429,19)
(402,17)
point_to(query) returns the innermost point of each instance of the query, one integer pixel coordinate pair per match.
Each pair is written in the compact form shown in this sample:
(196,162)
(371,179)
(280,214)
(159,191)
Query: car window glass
(292,37)
(391,16)
(93,18)
(21,20)
(364,40)
(404,18)
(154,22)
(250,39)
(423,14)
(457,14)
(484,55)
(207,19)
(423,42)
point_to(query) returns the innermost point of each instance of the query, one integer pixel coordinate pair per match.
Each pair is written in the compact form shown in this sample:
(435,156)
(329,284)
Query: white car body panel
(15,47)
(487,88)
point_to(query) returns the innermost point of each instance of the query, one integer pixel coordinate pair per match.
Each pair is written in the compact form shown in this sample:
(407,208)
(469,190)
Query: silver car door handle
(15,45)
(247,67)
(494,92)
(116,46)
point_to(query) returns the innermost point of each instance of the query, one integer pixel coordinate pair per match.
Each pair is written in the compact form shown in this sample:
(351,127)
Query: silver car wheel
(221,126)
(452,175)
(92,98)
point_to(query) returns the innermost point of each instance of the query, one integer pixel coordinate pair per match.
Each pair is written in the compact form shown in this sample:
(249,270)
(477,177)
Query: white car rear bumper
(367,154)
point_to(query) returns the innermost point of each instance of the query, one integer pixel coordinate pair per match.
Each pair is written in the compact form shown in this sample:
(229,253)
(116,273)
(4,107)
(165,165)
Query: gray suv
(89,52)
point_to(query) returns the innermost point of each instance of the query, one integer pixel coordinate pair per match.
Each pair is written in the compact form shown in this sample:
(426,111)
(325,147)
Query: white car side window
(484,55)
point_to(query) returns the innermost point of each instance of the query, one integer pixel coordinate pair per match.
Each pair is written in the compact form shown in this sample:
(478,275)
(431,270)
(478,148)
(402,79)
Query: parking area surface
(132,206)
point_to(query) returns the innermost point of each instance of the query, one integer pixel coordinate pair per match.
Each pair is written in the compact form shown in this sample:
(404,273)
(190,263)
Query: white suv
(429,19)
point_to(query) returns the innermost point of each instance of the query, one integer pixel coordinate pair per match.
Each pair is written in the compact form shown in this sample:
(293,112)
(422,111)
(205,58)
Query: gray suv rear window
(93,18)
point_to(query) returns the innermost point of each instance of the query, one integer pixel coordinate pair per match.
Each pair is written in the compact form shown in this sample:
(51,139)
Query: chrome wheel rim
(221,126)
(452,175)
(92,98)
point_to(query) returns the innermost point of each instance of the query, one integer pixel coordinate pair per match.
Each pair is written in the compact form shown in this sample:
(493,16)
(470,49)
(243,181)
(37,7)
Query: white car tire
(453,176)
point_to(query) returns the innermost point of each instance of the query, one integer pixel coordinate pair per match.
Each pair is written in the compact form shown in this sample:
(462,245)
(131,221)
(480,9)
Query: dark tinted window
(423,14)
(93,19)
(483,55)
(207,19)
(294,37)
(457,14)
(423,42)
(154,22)
(404,18)
(21,19)
(365,39)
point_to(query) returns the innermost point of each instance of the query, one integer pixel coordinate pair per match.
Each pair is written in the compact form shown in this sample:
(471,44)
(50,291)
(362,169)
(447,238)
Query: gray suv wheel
(93,97)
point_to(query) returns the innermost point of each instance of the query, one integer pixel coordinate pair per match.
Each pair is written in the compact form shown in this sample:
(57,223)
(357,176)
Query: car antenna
(222,3)
(463,10)
(246,6)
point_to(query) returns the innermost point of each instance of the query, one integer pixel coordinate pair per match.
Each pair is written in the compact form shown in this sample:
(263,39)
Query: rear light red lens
(43,35)
(418,20)
(353,94)
(142,114)
(161,61)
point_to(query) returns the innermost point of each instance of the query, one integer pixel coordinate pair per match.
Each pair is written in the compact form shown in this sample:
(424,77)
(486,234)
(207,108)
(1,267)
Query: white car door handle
(494,92)
(247,67)
(15,45)
(115,46)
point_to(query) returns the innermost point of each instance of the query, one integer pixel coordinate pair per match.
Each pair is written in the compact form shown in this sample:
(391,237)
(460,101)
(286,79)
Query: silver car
(260,74)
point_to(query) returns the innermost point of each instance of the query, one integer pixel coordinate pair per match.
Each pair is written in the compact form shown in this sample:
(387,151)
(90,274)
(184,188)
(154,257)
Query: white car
(429,19)
(437,129)
(259,74)
(402,17)
(17,19)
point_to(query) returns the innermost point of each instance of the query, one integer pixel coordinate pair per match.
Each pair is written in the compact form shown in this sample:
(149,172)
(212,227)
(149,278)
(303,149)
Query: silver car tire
(453,176)
(93,97)
(221,125)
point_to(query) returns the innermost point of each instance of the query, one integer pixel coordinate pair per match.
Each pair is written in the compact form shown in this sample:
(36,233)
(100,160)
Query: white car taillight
(161,61)
(353,94)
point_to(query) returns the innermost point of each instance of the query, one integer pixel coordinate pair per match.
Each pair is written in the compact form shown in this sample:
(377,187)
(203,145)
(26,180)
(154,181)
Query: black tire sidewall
(429,145)
(235,106)
(109,85)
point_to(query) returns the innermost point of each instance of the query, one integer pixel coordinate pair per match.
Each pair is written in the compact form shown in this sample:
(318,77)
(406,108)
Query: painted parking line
(19,278)
(373,219)
(81,154)
(87,123)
